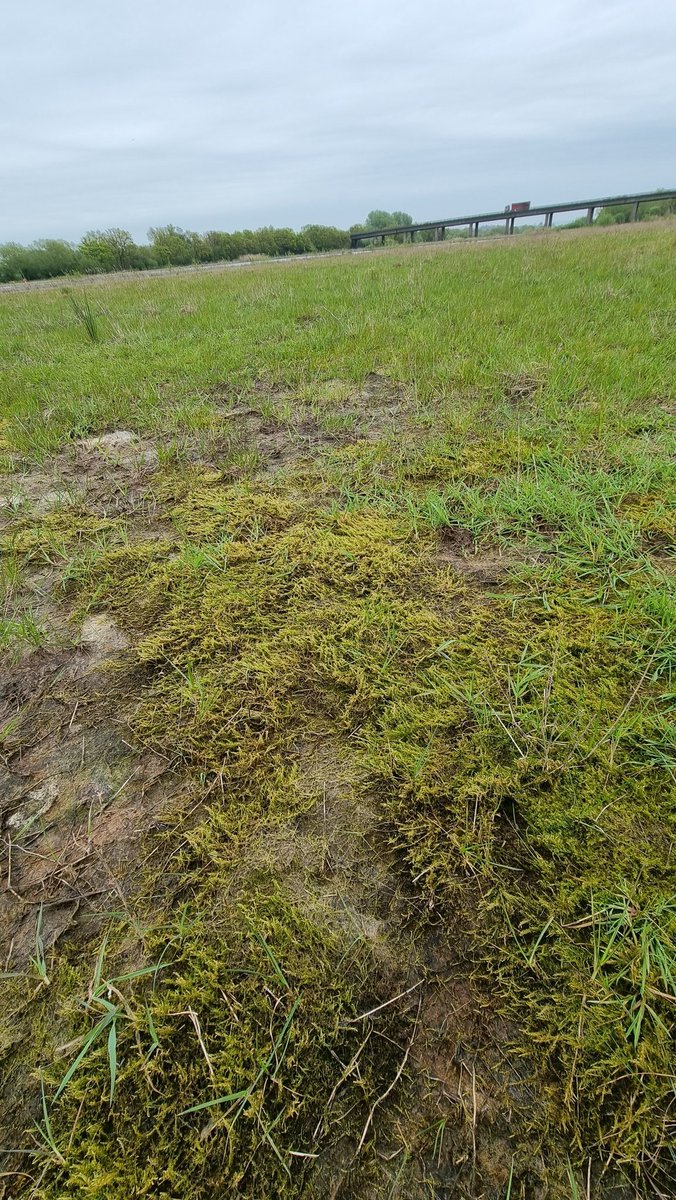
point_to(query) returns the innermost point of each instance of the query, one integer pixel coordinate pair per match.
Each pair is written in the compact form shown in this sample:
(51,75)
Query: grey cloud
(223,115)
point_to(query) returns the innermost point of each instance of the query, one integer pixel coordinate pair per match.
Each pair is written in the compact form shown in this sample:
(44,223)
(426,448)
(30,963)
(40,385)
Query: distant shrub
(658,208)
(325,237)
(620,214)
(41,260)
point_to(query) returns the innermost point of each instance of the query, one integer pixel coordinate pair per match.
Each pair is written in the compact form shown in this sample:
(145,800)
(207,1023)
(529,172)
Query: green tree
(276,241)
(172,246)
(221,247)
(11,262)
(108,250)
(325,237)
(380,219)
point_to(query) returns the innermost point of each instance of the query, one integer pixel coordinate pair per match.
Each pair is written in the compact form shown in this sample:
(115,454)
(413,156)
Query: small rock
(102,637)
(117,440)
(35,805)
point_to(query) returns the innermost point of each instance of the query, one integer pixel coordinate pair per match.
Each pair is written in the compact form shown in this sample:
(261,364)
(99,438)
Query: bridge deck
(542,210)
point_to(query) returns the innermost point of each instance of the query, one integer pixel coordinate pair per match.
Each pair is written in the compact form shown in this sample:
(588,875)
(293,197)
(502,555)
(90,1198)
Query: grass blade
(112,1057)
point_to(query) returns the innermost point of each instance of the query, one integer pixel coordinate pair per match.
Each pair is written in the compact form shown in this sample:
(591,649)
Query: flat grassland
(336,719)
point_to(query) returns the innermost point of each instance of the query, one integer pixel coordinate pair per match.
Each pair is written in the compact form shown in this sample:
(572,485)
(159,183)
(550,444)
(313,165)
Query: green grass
(447,323)
(444,594)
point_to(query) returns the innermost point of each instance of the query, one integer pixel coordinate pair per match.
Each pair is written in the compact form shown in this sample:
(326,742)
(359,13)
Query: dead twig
(190,1012)
(385,1004)
(400,1070)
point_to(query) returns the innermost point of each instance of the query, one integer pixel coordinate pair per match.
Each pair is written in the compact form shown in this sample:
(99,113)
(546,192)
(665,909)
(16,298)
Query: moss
(500,736)
(58,533)
(254,1003)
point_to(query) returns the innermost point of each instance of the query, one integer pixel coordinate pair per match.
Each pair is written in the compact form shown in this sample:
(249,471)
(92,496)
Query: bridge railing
(547,211)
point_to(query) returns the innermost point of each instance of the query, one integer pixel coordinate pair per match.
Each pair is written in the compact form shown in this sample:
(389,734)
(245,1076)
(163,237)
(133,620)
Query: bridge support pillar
(549,217)
(634,211)
(590,214)
(475,229)
(511,225)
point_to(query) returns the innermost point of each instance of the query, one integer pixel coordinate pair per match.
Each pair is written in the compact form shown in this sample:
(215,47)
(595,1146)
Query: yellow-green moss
(503,738)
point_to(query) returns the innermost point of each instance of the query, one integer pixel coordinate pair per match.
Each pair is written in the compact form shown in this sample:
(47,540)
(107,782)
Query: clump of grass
(46,1134)
(110,1016)
(85,313)
(635,957)
(21,632)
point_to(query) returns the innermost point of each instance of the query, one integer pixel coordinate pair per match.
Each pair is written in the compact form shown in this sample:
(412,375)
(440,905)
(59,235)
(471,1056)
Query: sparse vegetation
(377,896)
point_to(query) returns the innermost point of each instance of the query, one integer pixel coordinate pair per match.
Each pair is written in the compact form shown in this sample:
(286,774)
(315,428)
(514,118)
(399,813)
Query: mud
(76,799)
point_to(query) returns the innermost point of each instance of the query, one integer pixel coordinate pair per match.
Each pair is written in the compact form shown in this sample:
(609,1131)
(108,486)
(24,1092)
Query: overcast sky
(218,114)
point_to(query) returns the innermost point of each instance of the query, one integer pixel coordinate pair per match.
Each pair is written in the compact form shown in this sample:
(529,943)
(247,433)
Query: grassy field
(336,719)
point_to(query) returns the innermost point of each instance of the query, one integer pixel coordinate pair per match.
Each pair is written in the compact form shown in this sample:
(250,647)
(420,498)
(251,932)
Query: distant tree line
(168,246)
(100,251)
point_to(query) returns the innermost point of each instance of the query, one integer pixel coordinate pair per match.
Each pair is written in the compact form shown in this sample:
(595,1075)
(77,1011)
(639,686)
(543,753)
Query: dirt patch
(485,567)
(282,446)
(381,406)
(659,545)
(381,409)
(79,806)
(380,390)
(337,861)
(339,414)
(109,473)
(278,444)
(521,388)
(339,846)
(102,637)
(333,857)
(455,539)
(225,394)
(76,800)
